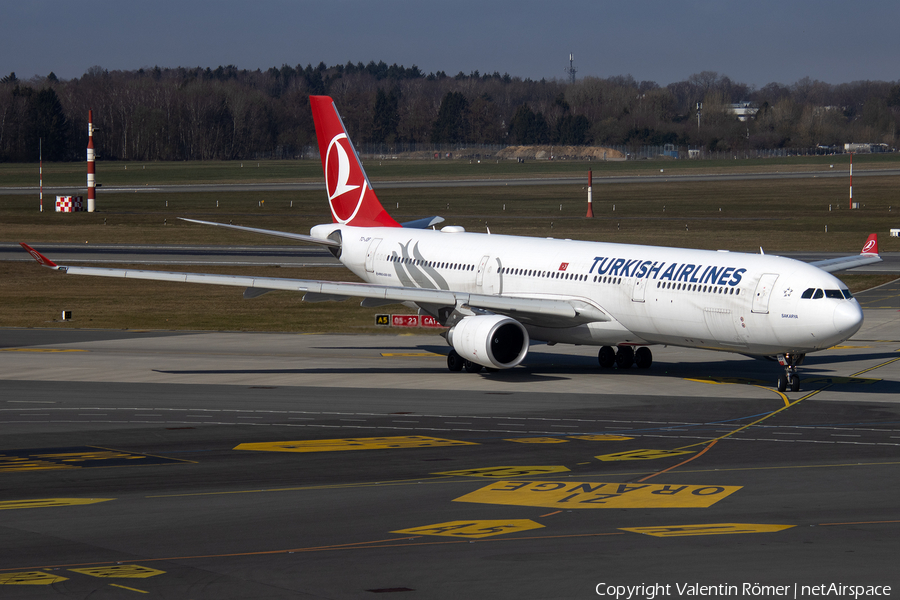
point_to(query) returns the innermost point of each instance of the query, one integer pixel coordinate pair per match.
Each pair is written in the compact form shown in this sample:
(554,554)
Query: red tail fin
(871,245)
(350,195)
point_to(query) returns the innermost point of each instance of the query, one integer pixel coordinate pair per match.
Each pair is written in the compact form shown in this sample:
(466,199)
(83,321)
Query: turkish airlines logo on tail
(343,179)
(869,246)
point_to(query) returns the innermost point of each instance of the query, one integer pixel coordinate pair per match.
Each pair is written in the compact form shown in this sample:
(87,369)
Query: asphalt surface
(241,465)
(660,177)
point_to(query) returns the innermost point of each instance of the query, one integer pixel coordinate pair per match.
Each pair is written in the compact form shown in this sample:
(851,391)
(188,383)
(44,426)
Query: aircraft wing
(846,262)
(867,256)
(548,312)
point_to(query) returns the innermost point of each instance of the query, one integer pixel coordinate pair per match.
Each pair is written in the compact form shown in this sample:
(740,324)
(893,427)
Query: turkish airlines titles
(651,269)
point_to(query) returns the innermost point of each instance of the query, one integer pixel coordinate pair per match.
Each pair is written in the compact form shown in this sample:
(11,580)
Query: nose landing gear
(790,362)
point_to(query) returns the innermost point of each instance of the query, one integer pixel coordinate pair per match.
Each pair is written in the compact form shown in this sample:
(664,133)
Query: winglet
(39,257)
(871,245)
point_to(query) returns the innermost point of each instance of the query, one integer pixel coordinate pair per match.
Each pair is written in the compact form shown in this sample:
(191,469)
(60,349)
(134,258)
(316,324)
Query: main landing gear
(790,379)
(625,356)
(457,363)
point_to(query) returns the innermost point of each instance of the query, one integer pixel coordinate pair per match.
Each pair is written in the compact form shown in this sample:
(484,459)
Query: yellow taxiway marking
(861,523)
(30,578)
(726,380)
(876,367)
(707,529)
(503,472)
(42,350)
(130,589)
(375,443)
(644,454)
(14,461)
(49,502)
(119,571)
(403,542)
(573,494)
(537,440)
(684,462)
(603,437)
(473,529)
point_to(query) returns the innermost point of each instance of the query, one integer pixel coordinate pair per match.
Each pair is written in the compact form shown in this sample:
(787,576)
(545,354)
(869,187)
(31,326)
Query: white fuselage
(746,303)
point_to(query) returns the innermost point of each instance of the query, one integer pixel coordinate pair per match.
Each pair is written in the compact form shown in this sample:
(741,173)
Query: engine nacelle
(493,341)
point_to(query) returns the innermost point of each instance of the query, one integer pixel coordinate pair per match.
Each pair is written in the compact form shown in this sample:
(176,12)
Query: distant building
(743,110)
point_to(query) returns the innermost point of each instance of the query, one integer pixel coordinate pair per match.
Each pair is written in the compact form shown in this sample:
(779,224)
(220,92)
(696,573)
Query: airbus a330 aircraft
(497,293)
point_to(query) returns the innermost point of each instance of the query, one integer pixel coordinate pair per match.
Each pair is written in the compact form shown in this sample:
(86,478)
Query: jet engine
(493,341)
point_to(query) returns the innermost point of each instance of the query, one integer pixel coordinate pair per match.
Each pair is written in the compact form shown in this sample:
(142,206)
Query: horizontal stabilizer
(284,234)
(423,223)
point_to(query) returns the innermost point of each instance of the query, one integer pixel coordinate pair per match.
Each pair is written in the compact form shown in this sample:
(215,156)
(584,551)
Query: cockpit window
(847,294)
(818,294)
(834,294)
(808,293)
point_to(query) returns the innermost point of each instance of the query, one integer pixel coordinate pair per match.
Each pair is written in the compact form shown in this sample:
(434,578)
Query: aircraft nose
(848,318)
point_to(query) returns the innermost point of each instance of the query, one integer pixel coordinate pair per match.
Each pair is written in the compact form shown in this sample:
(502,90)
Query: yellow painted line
(335,486)
(413,354)
(16,464)
(14,461)
(684,462)
(876,367)
(504,472)
(643,454)
(42,350)
(573,494)
(473,529)
(30,578)
(707,529)
(726,380)
(404,542)
(860,523)
(50,502)
(600,438)
(118,571)
(849,347)
(537,440)
(130,589)
(787,404)
(376,443)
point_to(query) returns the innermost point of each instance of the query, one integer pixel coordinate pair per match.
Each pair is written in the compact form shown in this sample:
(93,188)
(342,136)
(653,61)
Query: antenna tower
(571,70)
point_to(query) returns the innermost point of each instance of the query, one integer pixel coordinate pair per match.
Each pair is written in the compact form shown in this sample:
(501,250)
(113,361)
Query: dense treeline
(228,113)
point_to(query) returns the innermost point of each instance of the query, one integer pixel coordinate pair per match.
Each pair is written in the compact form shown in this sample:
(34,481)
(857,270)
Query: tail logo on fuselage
(342,196)
(869,245)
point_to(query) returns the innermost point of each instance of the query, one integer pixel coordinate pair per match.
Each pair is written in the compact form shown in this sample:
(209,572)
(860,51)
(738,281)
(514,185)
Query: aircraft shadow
(540,366)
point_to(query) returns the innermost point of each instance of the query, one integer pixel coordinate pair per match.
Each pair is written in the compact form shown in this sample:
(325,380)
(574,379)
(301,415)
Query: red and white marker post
(590,212)
(91,185)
